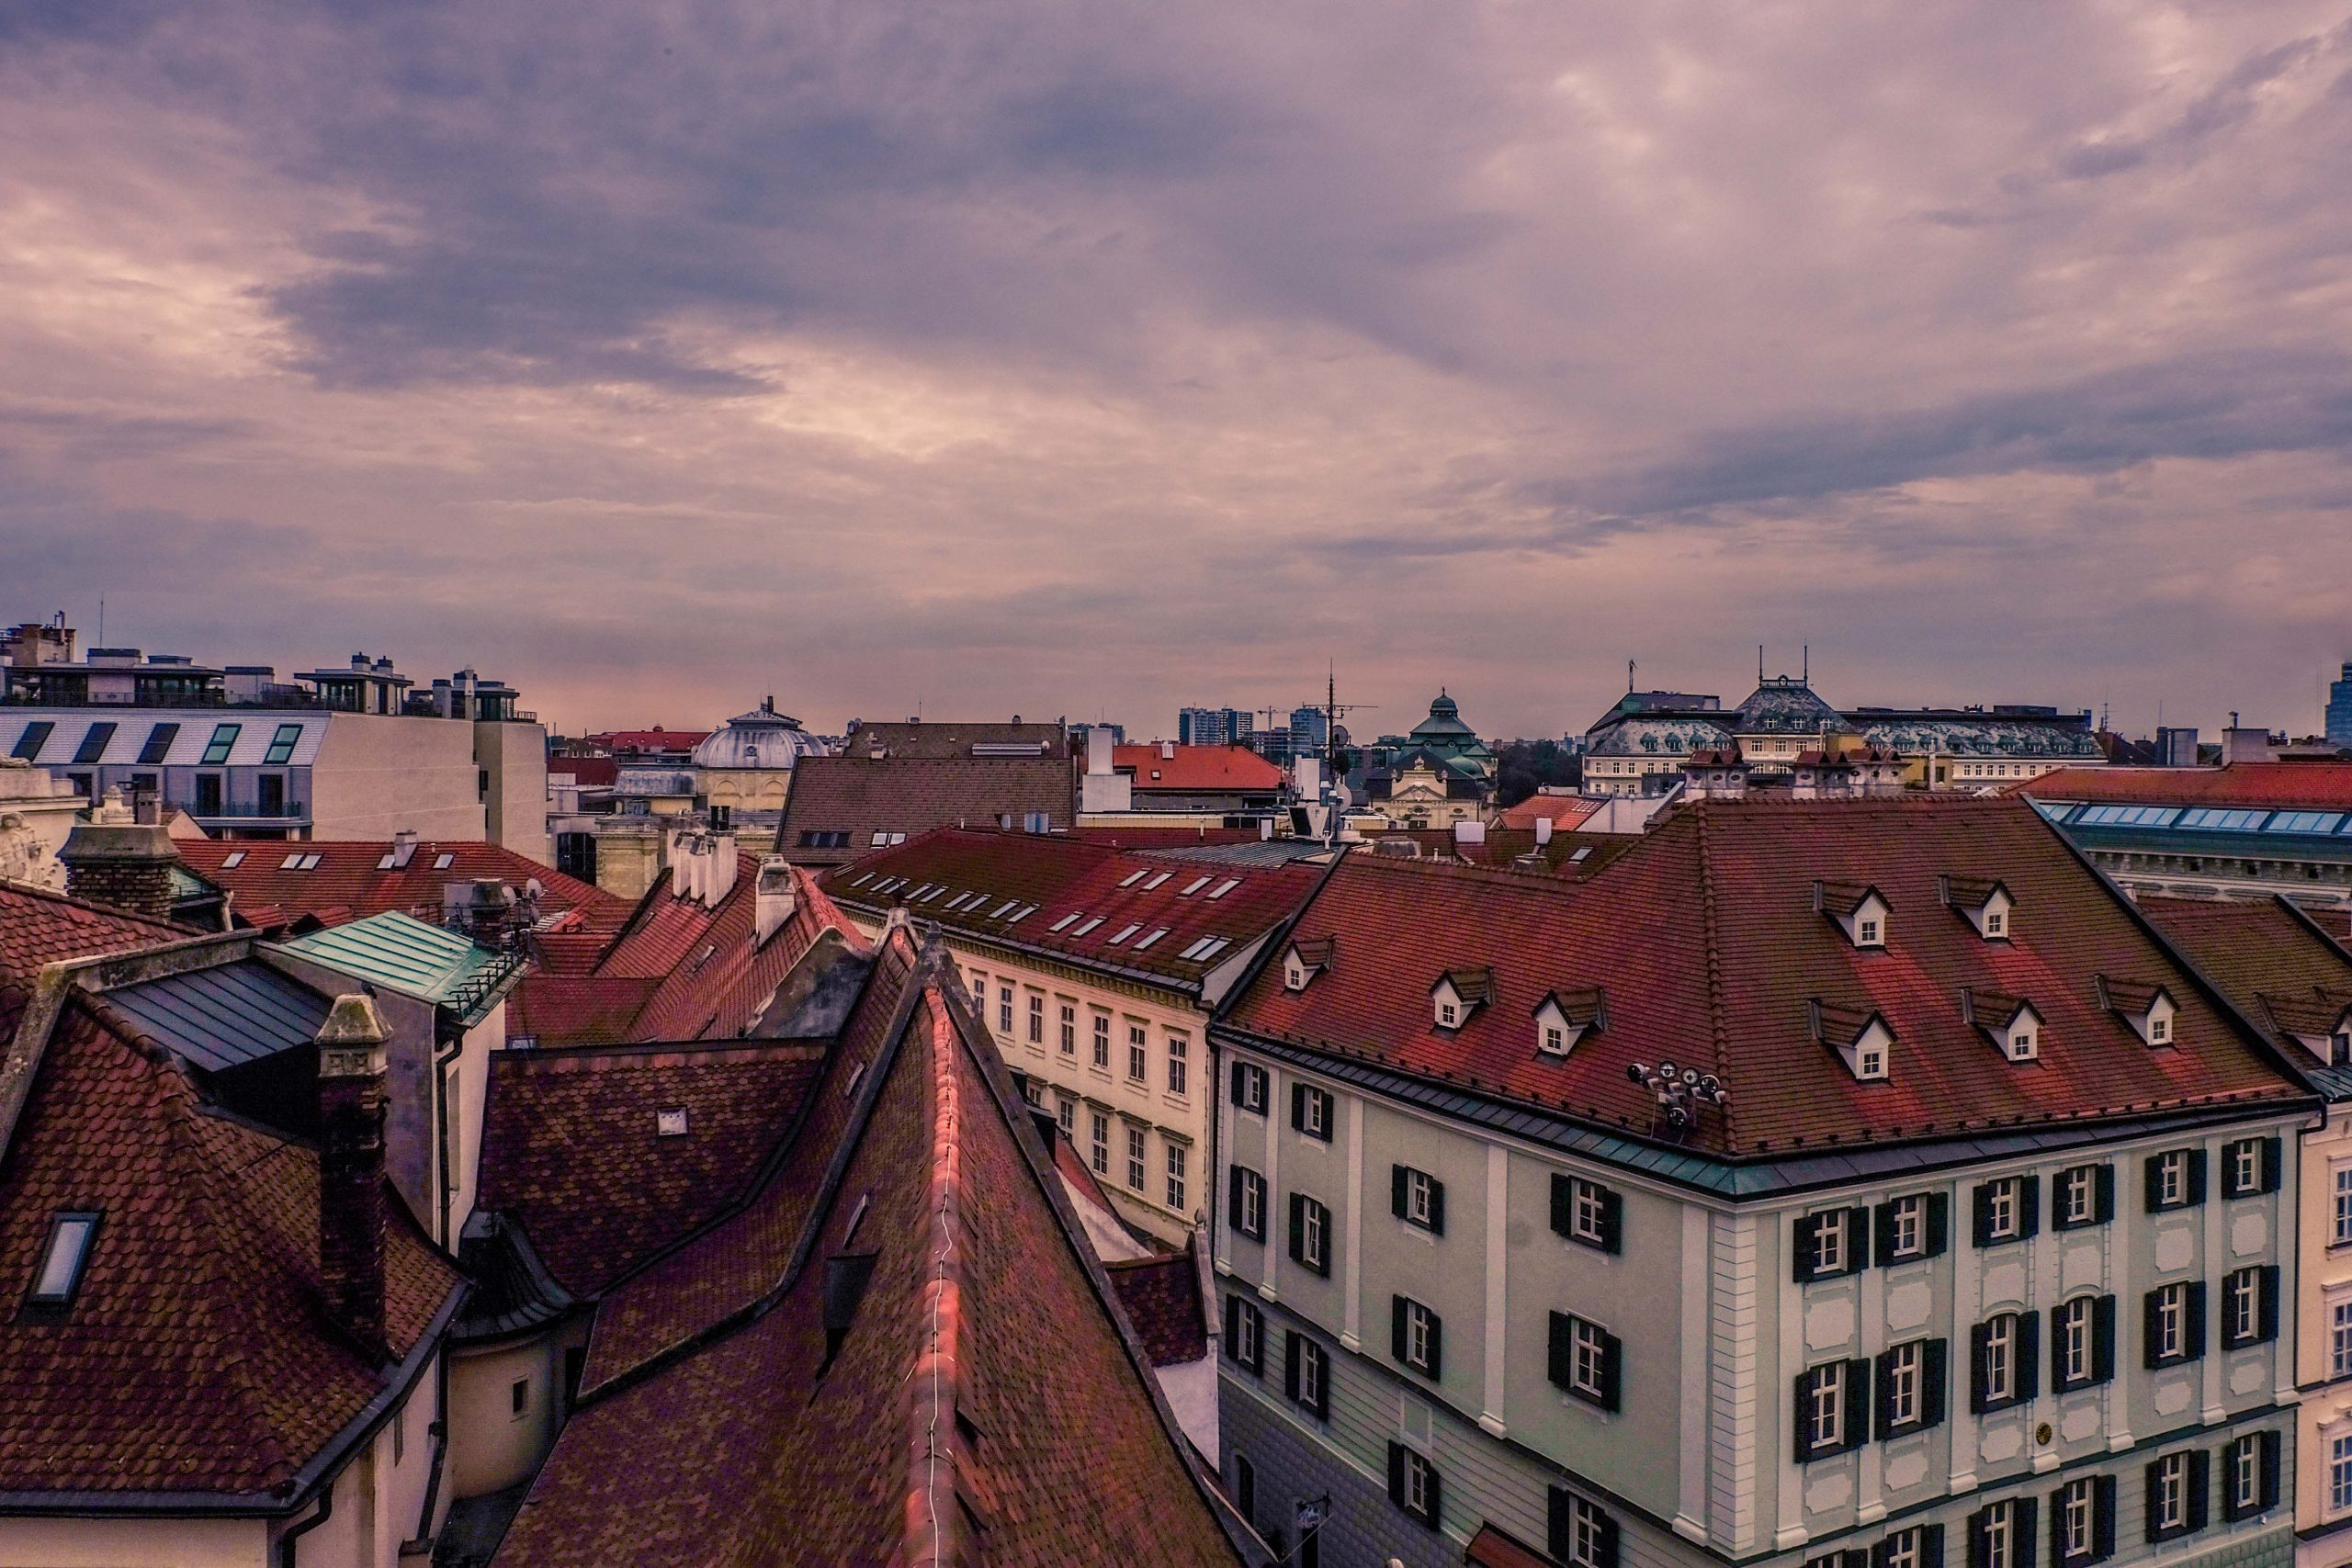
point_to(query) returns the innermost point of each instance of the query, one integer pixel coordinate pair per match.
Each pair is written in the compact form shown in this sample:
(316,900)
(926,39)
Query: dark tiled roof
(576,1010)
(1706,937)
(39,928)
(860,797)
(2272,785)
(572,1149)
(1507,846)
(940,739)
(759,1446)
(1162,1296)
(2290,973)
(198,1357)
(1106,902)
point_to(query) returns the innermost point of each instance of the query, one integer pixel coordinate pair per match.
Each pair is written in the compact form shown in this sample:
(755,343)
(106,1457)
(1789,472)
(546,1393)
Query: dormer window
(1861,1036)
(2148,1010)
(2011,1023)
(1985,904)
(1859,910)
(1457,993)
(1302,961)
(1565,1017)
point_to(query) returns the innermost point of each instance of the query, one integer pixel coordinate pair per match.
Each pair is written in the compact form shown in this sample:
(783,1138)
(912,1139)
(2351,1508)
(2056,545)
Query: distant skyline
(1036,357)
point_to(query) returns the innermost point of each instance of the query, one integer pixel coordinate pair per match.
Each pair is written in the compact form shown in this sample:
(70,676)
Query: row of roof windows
(98,737)
(302,860)
(1076,923)
(2201,818)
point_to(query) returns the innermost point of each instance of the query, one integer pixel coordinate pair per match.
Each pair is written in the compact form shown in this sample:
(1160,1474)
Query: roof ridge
(114,912)
(935,1524)
(1718,1035)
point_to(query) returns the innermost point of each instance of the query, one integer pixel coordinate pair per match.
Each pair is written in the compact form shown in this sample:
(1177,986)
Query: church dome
(761,739)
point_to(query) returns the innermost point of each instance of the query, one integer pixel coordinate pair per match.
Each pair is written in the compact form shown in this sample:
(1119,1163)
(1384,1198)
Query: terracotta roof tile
(1192,769)
(856,797)
(1706,937)
(576,1010)
(38,928)
(1162,1296)
(572,1145)
(2272,785)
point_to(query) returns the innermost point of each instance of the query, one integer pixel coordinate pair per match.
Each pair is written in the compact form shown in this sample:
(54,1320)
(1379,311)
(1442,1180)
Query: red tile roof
(1504,846)
(860,797)
(198,1357)
(718,988)
(576,1010)
(2264,955)
(1204,768)
(948,738)
(348,884)
(1707,943)
(572,1149)
(1162,1296)
(1560,810)
(1128,838)
(2313,787)
(1107,902)
(38,927)
(654,740)
(764,1445)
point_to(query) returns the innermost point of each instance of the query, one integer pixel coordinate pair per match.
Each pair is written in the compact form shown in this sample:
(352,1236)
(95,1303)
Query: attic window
(1860,1036)
(1581,850)
(59,1279)
(1155,936)
(1022,914)
(1192,887)
(1124,932)
(1996,923)
(1564,1018)
(1222,888)
(1156,881)
(291,862)
(1065,921)
(232,860)
(670,1122)
(1134,876)
(444,862)
(932,894)
(1087,927)
(998,913)
(1859,910)
(2148,1010)
(1203,949)
(863,880)
(386,864)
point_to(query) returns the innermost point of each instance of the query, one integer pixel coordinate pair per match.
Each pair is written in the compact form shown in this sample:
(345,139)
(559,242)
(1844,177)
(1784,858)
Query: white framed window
(1036,1019)
(1139,1053)
(2078,1520)
(1995,921)
(1903,1390)
(2245,1155)
(1588,1359)
(1314,1234)
(2159,1030)
(1178,1067)
(1824,1407)
(1866,933)
(1249,1334)
(2242,1476)
(1909,1226)
(1066,1116)
(2078,1331)
(1588,1211)
(1103,1040)
(1176,1161)
(1249,1202)
(2246,1307)
(2078,1196)
(1830,1242)
(1134,1160)
(1069,1029)
(2340,1338)
(1421,1198)
(2341,1192)
(1004,1010)
(2339,1475)
(1906,1549)
(1588,1531)
(1102,1151)
(2168,1494)
(1997,1536)
(2168,1323)
(2172,1179)
(1421,1337)
(1999,1368)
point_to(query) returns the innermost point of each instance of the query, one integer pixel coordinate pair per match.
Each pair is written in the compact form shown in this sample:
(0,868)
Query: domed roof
(761,739)
(1445,720)
(1785,704)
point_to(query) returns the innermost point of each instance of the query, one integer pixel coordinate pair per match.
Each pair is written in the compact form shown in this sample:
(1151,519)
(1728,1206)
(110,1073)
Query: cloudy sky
(1101,357)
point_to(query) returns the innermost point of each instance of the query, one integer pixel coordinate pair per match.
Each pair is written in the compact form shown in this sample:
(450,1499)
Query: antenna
(1808,666)
(1759,663)
(1629,677)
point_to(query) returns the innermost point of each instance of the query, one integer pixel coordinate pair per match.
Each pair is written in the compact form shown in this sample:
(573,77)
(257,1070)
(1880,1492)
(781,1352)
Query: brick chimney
(111,859)
(350,1170)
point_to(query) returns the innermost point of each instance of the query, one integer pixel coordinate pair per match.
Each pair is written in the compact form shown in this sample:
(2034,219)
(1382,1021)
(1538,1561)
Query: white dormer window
(1556,1040)
(1564,1018)
(1868,1055)
(2159,1032)
(1870,1062)
(1861,911)
(1293,974)
(2023,1039)
(1866,933)
(1447,1002)
(1996,922)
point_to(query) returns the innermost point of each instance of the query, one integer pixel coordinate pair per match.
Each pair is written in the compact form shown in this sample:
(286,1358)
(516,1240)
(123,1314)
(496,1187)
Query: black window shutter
(1979,1527)
(1613,1229)
(1858,1402)
(2150,1355)
(2058,1347)
(1979,1372)
(2153,1171)
(1397,1472)
(1855,1558)
(1885,1227)
(1563,1205)
(2155,1522)
(2270,1164)
(2197,1176)
(1858,1238)
(2103,1339)
(1298,1227)
(1562,1349)
(2021,1532)
(1437,1205)
(1981,1220)
(1396,1328)
(1234,1081)
(1298,1107)
(1291,1349)
(2266,1309)
(1605,1543)
(2201,1487)
(1807,1239)
(2028,1355)
(1884,1418)
(1879,1552)
(1804,1401)
(1436,1345)
(2106,1188)
(2029,1206)
(1233,1197)
(2104,1515)
(1933,1376)
(1398,1178)
(2058,1528)
(1433,1491)
(1560,1522)
(1322,1379)
(1938,1223)
(1931,1546)
(2196,1318)
(1233,1326)
(1613,1362)
(2269,1464)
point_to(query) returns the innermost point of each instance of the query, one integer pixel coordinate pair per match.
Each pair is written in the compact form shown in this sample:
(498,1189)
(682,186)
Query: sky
(1098,357)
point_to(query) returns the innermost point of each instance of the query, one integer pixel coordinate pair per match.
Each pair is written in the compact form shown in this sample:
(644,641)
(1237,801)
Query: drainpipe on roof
(289,1544)
(441,1135)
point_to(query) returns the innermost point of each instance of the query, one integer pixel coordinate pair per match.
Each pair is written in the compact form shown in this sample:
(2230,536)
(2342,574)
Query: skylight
(2305,822)
(670,1122)
(2218,819)
(291,862)
(1192,887)
(281,745)
(1581,850)
(232,860)
(1208,947)
(998,913)
(1025,911)
(1222,888)
(1134,876)
(863,880)
(59,1277)
(1155,936)
(444,861)
(1157,880)
(1087,927)
(1065,921)
(1124,932)
(934,893)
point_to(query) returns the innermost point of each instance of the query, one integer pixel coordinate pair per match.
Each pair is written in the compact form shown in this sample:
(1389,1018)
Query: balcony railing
(247,811)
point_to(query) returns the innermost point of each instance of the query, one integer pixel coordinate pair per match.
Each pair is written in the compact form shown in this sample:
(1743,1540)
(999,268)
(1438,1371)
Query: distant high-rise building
(1214,727)
(1310,731)
(2340,709)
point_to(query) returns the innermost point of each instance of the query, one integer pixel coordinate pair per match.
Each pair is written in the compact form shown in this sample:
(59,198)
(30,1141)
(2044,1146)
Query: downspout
(440,1449)
(441,1135)
(289,1544)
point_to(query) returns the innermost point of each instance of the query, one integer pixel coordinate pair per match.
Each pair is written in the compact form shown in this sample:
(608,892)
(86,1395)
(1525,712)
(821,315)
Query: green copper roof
(403,954)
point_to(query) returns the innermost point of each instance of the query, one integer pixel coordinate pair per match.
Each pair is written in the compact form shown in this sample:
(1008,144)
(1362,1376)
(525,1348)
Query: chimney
(1168,751)
(112,859)
(718,880)
(1542,831)
(772,899)
(404,848)
(1099,755)
(350,1170)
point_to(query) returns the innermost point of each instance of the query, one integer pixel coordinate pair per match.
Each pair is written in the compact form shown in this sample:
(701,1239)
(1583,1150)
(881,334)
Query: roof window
(1087,927)
(1859,910)
(2126,815)
(1565,1017)
(1858,1035)
(2284,822)
(1022,914)
(1985,904)
(1156,881)
(35,737)
(232,860)
(1065,921)
(1134,876)
(281,745)
(63,1262)
(311,861)
(1201,952)
(1222,888)
(216,750)
(94,743)
(998,913)
(291,862)
(1192,887)
(1155,936)
(2011,1023)
(444,861)
(1458,993)
(158,741)
(1578,854)
(934,893)
(863,880)
(2149,1009)
(2219,819)
(1305,960)
(1124,932)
